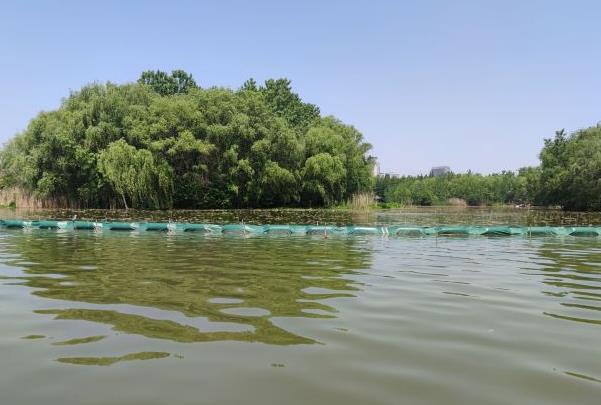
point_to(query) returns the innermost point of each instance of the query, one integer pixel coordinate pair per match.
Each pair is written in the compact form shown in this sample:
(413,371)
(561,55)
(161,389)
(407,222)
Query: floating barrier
(325,230)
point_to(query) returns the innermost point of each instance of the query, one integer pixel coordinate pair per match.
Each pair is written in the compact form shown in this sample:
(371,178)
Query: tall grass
(362,201)
(17,197)
(457,202)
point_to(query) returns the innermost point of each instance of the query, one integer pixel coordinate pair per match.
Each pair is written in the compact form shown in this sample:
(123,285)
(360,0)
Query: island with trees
(165,142)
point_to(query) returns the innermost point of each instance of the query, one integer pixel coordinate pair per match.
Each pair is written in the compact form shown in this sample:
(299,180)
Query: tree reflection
(573,272)
(220,279)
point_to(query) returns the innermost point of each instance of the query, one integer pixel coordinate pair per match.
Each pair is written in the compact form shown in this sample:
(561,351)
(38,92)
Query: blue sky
(470,84)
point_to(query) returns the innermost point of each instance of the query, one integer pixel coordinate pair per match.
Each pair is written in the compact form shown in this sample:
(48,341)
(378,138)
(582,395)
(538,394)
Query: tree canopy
(569,176)
(167,85)
(571,170)
(165,142)
(475,189)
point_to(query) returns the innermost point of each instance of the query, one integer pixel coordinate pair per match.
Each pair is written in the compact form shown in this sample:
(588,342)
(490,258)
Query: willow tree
(134,175)
(323,176)
(165,142)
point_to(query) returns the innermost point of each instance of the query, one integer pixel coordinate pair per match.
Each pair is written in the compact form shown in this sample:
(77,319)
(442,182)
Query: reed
(16,197)
(457,202)
(362,201)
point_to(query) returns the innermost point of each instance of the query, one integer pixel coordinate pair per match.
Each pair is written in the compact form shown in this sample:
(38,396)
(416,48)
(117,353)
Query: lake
(157,318)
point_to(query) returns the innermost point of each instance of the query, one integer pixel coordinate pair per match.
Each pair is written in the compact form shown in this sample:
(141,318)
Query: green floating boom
(325,230)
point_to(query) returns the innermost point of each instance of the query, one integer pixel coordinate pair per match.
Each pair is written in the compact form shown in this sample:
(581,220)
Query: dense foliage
(473,189)
(571,170)
(569,176)
(165,142)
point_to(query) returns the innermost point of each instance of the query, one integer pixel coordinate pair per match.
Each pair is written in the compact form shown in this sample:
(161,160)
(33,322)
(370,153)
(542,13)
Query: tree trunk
(124,202)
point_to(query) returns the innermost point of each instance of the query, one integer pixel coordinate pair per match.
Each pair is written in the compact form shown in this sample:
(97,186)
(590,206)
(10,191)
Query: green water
(130,318)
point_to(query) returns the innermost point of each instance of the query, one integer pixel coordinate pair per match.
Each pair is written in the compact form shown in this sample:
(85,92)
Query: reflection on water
(235,286)
(109,361)
(284,319)
(573,274)
(89,339)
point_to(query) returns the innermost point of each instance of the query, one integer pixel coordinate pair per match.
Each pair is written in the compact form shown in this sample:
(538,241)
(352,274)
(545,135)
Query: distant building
(440,170)
(376,169)
(378,173)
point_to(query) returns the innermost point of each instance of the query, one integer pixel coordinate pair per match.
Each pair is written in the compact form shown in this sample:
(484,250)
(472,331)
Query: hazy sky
(470,84)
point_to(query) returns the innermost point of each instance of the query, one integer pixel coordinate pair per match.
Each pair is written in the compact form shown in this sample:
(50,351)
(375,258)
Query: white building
(376,172)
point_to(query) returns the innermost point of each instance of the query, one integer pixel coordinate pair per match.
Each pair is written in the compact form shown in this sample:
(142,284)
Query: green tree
(165,142)
(570,173)
(322,179)
(134,175)
(287,104)
(528,186)
(167,85)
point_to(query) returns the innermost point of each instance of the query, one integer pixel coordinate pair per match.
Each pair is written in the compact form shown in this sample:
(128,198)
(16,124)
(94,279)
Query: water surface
(157,318)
